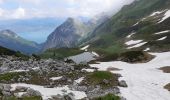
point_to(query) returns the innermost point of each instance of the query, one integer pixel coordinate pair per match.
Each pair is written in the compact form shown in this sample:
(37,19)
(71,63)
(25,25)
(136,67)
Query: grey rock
(5,93)
(21,89)
(1,87)
(123,83)
(31,92)
(7,87)
(105,81)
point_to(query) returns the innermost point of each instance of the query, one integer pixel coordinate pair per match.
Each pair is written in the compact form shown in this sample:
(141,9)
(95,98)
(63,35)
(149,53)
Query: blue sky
(59,9)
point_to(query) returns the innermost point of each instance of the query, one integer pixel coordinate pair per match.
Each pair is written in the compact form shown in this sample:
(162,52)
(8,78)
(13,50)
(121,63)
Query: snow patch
(17,71)
(97,55)
(162,32)
(79,80)
(129,36)
(136,23)
(163,38)
(137,45)
(156,13)
(55,78)
(131,42)
(49,92)
(88,70)
(147,49)
(166,16)
(85,47)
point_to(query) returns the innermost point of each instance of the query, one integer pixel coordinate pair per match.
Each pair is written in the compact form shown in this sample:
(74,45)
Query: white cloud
(62,8)
(1,1)
(1,12)
(19,13)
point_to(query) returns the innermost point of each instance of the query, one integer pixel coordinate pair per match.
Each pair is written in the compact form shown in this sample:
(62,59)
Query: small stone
(105,81)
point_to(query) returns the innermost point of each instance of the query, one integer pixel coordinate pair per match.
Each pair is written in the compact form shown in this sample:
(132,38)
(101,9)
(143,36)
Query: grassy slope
(5,51)
(60,53)
(108,97)
(109,36)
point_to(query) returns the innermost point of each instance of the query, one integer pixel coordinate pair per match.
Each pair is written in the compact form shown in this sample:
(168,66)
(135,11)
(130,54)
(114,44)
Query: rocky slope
(33,78)
(12,41)
(73,32)
(66,35)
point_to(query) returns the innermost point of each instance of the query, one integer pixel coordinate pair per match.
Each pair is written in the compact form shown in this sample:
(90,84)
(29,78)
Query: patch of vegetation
(98,77)
(167,87)
(165,69)
(5,51)
(60,53)
(24,98)
(108,97)
(13,75)
(135,56)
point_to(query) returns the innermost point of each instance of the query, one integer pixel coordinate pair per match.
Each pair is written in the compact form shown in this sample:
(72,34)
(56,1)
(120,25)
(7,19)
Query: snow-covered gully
(145,80)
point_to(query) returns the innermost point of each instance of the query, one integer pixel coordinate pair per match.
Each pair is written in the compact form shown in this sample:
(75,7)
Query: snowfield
(145,81)
(49,92)
(166,16)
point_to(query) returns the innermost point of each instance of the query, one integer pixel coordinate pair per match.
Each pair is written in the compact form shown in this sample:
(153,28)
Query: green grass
(24,98)
(108,97)
(100,75)
(60,53)
(167,87)
(108,36)
(5,51)
(12,75)
(96,78)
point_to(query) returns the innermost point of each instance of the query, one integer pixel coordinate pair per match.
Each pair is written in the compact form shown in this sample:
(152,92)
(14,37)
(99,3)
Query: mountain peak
(9,33)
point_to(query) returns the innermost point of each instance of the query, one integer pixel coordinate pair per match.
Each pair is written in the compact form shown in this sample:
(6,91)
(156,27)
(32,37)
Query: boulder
(123,83)
(7,87)
(6,94)
(31,92)
(21,89)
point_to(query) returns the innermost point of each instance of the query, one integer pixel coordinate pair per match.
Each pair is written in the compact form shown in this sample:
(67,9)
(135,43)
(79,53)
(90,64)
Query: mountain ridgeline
(72,32)
(11,40)
(141,25)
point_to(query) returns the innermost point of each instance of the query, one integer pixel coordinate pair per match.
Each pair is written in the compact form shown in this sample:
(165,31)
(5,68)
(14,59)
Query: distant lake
(37,36)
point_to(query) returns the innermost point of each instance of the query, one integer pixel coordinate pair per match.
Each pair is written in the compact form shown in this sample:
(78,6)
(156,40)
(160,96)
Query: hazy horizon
(58,10)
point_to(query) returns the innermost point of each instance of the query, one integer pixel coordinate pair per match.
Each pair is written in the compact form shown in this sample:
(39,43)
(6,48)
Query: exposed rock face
(66,35)
(12,41)
(73,32)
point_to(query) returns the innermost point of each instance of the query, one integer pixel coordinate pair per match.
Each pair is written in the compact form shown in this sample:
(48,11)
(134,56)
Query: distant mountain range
(142,25)
(36,29)
(12,41)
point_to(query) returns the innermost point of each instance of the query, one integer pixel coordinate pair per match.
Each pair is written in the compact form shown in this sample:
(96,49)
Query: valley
(121,55)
